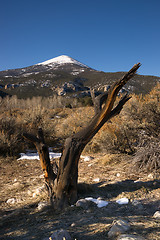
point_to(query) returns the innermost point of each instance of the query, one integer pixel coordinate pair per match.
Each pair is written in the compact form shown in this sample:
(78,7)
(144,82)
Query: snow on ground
(32,156)
(122,201)
(100,203)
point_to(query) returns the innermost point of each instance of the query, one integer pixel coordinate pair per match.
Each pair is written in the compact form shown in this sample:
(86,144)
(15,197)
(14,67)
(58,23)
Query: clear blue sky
(107,35)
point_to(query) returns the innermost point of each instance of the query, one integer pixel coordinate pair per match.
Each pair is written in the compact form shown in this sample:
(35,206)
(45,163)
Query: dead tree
(63,185)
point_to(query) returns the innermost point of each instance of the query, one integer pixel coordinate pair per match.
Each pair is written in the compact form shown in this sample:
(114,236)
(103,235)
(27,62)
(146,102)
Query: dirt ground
(107,176)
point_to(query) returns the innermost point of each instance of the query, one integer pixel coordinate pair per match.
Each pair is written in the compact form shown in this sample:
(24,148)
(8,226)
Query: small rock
(151,176)
(87,158)
(39,191)
(100,198)
(41,176)
(42,205)
(124,224)
(35,194)
(29,192)
(16,185)
(59,235)
(129,237)
(118,174)
(137,204)
(118,227)
(73,225)
(137,181)
(157,215)
(96,180)
(99,202)
(11,201)
(83,203)
(89,165)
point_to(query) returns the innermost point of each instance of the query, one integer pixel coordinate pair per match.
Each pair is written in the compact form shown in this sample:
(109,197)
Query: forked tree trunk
(63,186)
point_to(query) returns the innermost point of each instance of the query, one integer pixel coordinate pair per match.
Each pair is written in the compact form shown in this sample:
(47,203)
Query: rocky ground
(23,199)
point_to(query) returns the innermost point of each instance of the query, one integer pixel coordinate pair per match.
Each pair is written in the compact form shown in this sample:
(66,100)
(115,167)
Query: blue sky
(106,35)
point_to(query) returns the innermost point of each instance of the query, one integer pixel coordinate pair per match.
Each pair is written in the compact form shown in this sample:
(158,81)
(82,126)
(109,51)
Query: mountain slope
(51,76)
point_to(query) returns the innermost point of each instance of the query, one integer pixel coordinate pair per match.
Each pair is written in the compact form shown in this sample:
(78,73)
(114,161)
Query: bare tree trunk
(43,152)
(64,185)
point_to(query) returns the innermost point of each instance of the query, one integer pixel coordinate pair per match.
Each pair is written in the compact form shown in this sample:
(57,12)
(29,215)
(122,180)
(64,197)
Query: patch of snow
(33,156)
(63,59)
(100,203)
(27,74)
(122,201)
(75,73)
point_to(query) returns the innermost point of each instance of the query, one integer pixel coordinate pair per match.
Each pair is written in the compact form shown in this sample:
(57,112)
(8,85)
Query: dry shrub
(52,102)
(70,121)
(10,137)
(122,134)
(147,157)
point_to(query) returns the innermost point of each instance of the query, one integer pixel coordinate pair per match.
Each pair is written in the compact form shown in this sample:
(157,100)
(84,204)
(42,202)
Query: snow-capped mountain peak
(61,60)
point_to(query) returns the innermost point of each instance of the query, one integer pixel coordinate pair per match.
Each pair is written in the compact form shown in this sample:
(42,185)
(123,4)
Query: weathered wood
(65,183)
(98,101)
(43,152)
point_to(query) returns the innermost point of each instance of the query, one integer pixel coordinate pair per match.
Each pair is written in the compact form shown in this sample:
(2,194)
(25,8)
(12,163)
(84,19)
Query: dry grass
(123,134)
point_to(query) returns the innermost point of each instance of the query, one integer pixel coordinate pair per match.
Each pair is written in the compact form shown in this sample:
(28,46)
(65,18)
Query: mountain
(64,75)
(61,60)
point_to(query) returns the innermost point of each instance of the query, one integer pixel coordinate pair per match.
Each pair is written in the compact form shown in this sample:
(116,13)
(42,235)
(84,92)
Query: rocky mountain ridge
(64,75)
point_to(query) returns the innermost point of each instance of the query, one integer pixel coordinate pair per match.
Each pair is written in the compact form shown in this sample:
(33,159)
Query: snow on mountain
(61,60)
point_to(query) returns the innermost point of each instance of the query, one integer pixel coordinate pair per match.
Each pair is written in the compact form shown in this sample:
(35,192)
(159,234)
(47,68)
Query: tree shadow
(114,189)
(93,223)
